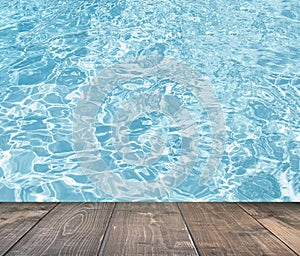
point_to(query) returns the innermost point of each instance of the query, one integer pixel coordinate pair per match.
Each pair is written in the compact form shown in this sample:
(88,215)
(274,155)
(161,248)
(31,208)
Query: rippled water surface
(155,138)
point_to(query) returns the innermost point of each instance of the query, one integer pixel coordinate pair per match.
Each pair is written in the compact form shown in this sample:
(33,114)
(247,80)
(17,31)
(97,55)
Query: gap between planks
(69,229)
(226,229)
(281,219)
(147,229)
(17,219)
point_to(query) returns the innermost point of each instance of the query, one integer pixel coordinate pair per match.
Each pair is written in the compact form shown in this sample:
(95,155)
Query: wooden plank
(147,229)
(225,229)
(69,229)
(16,219)
(282,219)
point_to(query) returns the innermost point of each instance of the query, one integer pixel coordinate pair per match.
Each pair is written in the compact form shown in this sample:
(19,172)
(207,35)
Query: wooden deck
(149,229)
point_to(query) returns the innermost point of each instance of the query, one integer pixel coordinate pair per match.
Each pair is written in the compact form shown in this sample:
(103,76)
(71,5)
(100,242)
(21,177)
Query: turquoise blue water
(150,100)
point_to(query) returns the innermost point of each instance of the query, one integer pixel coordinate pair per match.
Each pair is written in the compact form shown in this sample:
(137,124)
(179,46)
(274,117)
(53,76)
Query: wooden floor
(149,229)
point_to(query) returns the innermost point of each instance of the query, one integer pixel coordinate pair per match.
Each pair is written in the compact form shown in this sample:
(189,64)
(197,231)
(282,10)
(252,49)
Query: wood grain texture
(147,229)
(16,219)
(69,229)
(225,229)
(282,219)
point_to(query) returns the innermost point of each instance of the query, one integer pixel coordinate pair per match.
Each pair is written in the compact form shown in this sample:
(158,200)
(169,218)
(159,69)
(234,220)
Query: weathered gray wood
(147,229)
(225,229)
(69,229)
(282,219)
(16,219)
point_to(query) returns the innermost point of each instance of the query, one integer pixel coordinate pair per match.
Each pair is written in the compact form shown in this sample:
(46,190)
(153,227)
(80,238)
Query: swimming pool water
(150,101)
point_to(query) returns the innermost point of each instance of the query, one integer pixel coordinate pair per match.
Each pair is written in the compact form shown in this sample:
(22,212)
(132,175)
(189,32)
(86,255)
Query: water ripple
(249,50)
